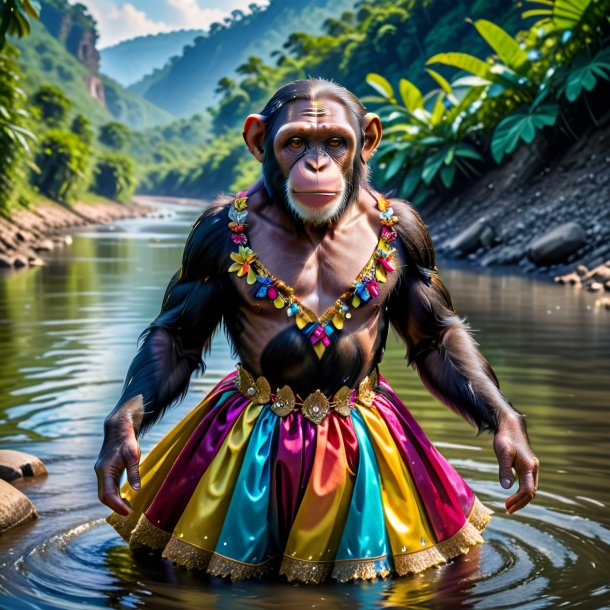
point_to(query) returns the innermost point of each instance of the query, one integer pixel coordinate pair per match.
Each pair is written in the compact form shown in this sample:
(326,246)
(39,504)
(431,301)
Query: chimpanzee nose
(316,161)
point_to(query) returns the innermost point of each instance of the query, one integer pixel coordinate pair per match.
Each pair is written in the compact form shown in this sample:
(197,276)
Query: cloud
(117,23)
(188,13)
(125,21)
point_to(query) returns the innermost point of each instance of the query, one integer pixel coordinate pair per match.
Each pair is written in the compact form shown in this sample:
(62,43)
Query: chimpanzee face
(316,145)
(315,148)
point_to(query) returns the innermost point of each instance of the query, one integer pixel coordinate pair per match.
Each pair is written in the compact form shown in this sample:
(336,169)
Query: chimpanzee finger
(133,476)
(505,453)
(526,492)
(109,494)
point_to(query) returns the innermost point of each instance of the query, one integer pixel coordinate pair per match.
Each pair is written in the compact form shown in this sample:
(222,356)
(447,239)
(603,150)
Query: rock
(37,262)
(6,261)
(595,287)
(601,274)
(15,507)
(509,255)
(603,302)
(45,245)
(570,278)
(607,286)
(488,237)
(469,239)
(17,464)
(558,244)
(20,261)
(582,270)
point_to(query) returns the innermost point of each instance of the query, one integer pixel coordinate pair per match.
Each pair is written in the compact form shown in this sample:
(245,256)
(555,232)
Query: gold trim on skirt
(141,531)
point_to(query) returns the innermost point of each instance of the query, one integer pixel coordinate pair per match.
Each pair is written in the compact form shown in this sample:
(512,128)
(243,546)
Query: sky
(123,19)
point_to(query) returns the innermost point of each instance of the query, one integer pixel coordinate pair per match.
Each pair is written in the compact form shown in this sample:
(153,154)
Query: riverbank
(538,218)
(26,233)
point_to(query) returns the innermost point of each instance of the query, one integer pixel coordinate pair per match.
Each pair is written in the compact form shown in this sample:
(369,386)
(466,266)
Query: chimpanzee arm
(172,345)
(171,349)
(443,352)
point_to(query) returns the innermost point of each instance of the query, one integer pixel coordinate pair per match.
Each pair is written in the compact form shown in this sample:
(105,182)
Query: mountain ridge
(131,60)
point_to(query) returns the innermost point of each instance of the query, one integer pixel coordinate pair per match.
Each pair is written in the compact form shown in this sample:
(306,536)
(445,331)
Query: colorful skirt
(236,490)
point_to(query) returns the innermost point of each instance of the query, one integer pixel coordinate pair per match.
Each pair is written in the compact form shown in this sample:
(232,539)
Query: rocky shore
(541,218)
(25,234)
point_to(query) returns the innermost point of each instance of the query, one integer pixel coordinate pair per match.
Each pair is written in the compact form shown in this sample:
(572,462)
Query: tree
(53,104)
(14,18)
(114,135)
(15,136)
(115,177)
(226,86)
(81,126)
(63,159)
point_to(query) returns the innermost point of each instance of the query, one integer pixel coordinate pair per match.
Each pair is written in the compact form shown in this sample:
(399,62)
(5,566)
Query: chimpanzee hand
(120,451)
(513,450)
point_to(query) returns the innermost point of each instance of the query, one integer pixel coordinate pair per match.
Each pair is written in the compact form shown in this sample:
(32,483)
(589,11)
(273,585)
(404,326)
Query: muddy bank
(26,234)
(539,218)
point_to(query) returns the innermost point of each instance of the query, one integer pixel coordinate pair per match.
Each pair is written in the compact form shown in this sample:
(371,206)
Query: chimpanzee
(303,461)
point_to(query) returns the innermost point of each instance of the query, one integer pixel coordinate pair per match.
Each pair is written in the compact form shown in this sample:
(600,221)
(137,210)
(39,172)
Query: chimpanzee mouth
(325,193)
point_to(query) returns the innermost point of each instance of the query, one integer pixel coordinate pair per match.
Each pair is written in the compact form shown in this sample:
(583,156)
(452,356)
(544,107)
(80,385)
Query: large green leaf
(438,109)
(448,175)
(463,149)
(521,126)
(584,73)
(505,46)
(444,85)
(396,163)
(381,85)
(565,14)
(463,61)
(411,182)
(432,165)
(411,96)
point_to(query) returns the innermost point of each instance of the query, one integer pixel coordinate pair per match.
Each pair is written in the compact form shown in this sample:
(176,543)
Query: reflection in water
(68,332)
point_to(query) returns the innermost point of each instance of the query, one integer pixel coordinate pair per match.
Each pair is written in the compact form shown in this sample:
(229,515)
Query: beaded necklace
(320,330)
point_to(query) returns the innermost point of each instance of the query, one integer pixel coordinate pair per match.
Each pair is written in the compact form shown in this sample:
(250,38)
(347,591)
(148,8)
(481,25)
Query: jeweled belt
(316,407)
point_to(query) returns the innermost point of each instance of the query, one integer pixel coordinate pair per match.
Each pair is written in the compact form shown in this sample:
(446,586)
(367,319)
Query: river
(68,332)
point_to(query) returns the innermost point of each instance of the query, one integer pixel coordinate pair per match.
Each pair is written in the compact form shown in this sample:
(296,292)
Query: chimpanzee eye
(335,143)
(296,143)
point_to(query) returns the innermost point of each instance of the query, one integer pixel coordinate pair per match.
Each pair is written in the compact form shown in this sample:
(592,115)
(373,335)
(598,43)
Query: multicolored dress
(259,480)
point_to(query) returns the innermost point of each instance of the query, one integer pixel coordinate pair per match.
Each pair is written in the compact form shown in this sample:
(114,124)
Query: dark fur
(289,359)
(440,345)
(171,347)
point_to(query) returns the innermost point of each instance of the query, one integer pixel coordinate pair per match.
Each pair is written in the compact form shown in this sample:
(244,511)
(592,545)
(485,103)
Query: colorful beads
(319,330)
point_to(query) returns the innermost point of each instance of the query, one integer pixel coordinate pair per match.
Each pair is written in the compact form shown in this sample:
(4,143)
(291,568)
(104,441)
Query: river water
(68,332)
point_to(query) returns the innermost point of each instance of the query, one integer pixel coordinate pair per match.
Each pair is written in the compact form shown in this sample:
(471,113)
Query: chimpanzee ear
(254,134)
(371,125)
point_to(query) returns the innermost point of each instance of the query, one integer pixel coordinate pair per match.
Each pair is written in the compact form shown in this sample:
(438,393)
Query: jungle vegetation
(483,78)
(459,87)
(47,149)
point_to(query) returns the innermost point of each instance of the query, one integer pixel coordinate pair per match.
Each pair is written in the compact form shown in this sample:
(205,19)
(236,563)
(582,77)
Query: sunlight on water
(68,333)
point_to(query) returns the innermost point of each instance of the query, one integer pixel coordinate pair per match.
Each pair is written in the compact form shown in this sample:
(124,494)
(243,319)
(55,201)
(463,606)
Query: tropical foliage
(390,33)
(64,166)
(490,105)
(58,162)
(16,137)
(115,177)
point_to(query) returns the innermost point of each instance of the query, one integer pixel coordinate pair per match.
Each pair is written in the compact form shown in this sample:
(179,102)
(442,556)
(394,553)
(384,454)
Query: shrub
(114,135)
(115,177)
(53,104)
(64,162)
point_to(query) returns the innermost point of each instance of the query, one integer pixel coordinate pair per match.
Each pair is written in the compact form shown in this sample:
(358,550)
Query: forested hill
(61,50)
(131,60)
(186,84)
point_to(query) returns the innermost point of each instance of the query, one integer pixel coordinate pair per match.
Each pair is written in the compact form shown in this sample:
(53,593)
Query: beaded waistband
(315,407)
